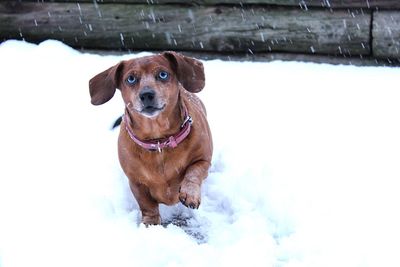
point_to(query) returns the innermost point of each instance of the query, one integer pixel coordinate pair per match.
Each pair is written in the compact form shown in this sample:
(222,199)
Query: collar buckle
(188,119)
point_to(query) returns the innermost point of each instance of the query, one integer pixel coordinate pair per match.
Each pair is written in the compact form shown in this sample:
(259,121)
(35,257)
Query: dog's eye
(163,75)
(131,79)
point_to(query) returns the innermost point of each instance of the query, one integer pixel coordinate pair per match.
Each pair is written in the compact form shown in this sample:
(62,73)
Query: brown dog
(165,144)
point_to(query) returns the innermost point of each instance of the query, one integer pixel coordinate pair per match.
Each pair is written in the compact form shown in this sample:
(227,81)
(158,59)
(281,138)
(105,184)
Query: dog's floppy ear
(102,86)
(190,71)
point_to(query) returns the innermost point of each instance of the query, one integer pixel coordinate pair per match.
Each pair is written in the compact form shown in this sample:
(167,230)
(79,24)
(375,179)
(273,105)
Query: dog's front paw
(190,195)
(151,220)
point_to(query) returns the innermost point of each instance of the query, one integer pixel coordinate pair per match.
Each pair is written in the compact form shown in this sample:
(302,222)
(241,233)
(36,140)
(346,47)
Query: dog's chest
(159,168)
(162,166)
(162,173)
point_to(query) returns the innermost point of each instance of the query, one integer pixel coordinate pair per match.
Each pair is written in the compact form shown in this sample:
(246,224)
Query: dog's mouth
(152,110)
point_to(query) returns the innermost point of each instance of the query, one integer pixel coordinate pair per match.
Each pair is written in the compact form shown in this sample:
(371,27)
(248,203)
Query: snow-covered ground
(306,170)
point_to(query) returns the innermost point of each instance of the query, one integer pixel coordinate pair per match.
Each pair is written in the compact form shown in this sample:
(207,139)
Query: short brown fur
(174,174)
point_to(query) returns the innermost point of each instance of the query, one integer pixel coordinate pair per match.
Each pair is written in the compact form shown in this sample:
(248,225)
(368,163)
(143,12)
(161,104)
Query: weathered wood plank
(386,34)
(299,3)
(224,29)
(316,3)
(267,57)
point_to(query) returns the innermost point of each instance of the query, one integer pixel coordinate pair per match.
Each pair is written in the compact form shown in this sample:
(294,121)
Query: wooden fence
(348,28)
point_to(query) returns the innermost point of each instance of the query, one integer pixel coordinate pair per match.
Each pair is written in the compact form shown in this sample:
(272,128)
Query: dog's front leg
(148,205)
(190,190)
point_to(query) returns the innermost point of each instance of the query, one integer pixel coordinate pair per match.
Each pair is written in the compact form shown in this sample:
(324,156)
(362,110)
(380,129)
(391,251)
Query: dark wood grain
(298,3)
(211,28)
(386,34)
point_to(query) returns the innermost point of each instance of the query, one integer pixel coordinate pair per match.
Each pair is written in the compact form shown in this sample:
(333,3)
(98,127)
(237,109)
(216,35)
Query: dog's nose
(147,96)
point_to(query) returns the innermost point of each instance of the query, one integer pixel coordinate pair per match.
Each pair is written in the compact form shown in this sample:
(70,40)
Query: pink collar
(159,144)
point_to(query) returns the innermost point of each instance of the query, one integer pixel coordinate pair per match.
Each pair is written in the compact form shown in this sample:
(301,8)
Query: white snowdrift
(306,168)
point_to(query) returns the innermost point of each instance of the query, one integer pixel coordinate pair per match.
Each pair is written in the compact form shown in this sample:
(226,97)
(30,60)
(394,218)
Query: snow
(305,170)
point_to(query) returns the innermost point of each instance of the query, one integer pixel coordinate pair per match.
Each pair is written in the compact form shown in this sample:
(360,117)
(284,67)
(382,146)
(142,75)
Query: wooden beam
(386,34)
(163,27)
(304,4)
(315,3)
(267,57)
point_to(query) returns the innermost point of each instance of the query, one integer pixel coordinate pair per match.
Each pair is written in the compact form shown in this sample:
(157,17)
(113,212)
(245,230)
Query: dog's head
(148,84)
